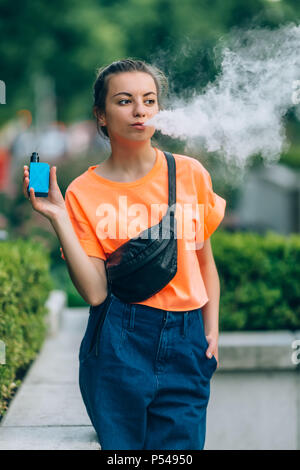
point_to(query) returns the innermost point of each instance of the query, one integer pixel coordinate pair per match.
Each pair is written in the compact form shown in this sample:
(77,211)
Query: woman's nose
(139,109)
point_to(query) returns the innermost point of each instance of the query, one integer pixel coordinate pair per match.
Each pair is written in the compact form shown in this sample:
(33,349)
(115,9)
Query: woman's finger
(209,352)
(211,347)
(53,182)
(25,186)
(25,182)
(32,196)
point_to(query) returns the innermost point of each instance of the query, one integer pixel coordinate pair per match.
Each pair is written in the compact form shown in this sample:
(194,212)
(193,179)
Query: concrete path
(47,411)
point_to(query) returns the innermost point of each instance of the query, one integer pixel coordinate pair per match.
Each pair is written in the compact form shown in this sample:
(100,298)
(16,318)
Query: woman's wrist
(59,218)
(212,332)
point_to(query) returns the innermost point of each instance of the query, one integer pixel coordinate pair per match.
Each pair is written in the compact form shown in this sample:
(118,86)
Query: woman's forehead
(131,82)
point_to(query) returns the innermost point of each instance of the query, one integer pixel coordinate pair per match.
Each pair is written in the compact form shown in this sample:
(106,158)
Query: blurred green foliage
(69,39)
(259,278)
(25,285)
(292,157)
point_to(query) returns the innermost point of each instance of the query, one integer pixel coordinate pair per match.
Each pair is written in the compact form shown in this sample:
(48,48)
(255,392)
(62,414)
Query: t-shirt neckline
(125,184)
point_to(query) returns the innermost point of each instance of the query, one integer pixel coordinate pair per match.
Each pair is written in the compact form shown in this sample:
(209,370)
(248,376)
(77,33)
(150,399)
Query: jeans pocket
(214,362)
(211,363)
(94,327)
(204,341)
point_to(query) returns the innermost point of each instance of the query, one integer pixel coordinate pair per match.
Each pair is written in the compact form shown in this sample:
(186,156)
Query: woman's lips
(138,126)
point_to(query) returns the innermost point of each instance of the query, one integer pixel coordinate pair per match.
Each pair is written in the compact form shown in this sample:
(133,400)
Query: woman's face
(131,98)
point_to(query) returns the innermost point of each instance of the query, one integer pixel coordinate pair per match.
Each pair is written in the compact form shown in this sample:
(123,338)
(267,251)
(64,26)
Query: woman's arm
(211,308)
(87,273)
(88,277)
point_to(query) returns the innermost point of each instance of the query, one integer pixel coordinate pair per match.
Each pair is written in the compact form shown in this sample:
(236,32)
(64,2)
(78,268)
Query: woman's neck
(131,157)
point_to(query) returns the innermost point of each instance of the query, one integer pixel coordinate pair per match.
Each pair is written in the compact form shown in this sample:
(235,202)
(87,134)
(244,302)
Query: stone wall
(255,392)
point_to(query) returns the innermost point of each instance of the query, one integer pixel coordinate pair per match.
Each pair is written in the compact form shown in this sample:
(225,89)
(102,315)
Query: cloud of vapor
(242,112)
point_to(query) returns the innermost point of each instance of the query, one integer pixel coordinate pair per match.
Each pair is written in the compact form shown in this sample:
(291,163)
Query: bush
(62,281)
(292,157)
(259,278)
(25,284)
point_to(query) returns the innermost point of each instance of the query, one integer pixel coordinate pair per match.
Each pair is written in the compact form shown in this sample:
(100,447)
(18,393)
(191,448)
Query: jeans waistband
(152,315)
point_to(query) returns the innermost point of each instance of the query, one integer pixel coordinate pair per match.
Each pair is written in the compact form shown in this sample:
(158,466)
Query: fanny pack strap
(117,270)
(171,180)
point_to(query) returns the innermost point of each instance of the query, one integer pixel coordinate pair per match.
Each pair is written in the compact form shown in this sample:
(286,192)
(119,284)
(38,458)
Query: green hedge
(62,281)
(292,157)
(25,285)
(259,277)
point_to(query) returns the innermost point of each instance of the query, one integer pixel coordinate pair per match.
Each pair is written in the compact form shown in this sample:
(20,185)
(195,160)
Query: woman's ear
(99,116)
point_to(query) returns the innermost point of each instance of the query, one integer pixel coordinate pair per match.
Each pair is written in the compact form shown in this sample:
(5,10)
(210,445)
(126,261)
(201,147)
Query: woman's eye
(128,101)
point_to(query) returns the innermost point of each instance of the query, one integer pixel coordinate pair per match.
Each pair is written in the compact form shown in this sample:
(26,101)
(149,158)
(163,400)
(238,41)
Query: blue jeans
(145,380)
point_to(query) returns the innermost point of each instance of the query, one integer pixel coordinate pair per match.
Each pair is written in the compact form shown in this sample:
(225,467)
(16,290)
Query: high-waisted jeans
(144,376)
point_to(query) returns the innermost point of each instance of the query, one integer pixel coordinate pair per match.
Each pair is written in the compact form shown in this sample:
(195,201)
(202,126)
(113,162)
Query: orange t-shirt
(105,214)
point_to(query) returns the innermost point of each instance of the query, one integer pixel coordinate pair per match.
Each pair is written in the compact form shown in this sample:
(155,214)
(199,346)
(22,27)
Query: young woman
(148,385)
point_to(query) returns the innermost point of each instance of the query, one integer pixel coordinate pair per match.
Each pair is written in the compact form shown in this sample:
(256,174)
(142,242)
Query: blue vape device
(39,174)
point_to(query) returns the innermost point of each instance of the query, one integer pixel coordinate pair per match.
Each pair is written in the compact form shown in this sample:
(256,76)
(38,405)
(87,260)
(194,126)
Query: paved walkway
(47,411)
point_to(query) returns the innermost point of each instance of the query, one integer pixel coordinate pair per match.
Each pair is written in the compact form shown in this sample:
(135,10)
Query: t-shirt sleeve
(213,205)
(82,228)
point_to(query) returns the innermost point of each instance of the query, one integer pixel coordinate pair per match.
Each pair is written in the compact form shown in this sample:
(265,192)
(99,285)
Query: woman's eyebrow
(129,94)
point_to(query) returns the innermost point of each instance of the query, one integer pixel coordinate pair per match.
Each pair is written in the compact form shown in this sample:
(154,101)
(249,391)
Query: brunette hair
(124,65)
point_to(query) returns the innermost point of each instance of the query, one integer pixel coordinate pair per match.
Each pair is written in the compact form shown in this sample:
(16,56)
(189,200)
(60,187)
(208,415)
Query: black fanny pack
(145,264)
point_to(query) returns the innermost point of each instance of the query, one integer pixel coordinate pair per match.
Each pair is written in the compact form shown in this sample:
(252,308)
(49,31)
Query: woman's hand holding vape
(50,206)
(90,280)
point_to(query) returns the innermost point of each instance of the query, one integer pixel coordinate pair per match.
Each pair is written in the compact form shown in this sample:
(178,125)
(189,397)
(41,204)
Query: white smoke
(242,112)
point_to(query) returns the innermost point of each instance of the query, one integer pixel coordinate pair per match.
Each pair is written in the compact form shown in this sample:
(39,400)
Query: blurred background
(48,65)
(49,54)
